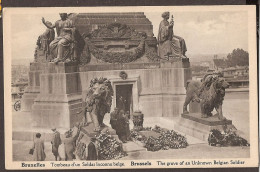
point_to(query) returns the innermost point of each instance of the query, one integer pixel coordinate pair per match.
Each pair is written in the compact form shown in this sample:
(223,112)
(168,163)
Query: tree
(238,57)
(220,63)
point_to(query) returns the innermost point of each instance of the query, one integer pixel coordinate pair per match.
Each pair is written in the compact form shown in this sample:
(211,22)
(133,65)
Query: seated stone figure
(45,39)
(63,47)
(169,44)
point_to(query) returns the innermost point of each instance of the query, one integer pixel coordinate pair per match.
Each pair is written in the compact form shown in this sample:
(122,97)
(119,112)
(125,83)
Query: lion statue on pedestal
(98,101)
(209,92)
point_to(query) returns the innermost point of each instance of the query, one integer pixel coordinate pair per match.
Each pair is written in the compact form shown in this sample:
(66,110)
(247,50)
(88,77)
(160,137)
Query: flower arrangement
(108,147)
(228,138)
(168,139)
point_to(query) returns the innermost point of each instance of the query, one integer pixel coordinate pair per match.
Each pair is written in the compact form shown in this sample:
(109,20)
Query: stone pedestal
(60,97)
(86,133)
(33,89)
(192,124)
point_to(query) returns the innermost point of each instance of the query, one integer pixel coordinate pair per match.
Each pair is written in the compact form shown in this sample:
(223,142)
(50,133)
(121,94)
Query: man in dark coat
(123,126)
(69,145)
(92,151)
(55,141)
(127,127)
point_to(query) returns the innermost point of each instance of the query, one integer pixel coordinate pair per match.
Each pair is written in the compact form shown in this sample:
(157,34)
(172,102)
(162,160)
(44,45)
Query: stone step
(132,147)
(197,129)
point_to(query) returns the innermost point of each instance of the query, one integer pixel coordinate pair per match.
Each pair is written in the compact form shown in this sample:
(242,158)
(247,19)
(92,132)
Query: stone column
(60,97)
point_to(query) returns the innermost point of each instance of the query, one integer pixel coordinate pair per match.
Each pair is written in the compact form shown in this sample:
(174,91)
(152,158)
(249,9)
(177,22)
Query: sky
(205,32)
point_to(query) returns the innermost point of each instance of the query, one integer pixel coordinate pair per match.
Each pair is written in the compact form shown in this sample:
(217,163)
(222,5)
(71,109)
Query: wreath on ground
(168,139)
(230,138)
(109,148)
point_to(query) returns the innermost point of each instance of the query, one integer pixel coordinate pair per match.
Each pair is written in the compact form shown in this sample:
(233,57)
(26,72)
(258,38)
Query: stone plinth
(61,67)
(192,124)
(60,97)
(86,133)
(33,89)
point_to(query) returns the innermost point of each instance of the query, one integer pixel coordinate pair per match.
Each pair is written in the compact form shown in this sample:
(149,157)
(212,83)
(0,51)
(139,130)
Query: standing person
(69,145)
(38,147)
(127,127)
(61,152)
(127,114)
(113,118)
(92,151)
(56,141)
(121,123)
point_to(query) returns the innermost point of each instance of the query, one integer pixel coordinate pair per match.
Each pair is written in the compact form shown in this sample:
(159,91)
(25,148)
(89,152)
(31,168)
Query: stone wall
(33,89)
(162,88)
(60,97)
(157,91)
(87,22)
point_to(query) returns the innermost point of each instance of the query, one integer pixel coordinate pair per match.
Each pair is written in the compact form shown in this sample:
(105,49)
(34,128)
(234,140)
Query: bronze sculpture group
(209,92)
(98,101)
(68,45)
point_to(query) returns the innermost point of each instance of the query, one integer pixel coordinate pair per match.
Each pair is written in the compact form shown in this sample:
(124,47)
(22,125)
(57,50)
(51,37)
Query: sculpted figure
(43,42)
(64,45)
(99,100)
(46,38)
(209,92)
(169,44)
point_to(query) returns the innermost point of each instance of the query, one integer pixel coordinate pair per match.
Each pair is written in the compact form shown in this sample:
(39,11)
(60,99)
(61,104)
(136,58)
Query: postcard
(130,87)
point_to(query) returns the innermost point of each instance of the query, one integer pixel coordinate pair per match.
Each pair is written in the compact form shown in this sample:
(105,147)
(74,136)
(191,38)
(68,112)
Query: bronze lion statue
(98,101)
(209,92)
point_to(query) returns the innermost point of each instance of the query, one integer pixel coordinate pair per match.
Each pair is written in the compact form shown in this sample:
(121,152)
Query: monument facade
(122,48)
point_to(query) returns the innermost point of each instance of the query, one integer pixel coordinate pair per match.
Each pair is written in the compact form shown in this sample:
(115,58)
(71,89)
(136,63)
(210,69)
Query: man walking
(56,141)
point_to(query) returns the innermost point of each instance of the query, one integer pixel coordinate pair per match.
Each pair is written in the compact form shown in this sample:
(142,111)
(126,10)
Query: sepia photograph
(130,87)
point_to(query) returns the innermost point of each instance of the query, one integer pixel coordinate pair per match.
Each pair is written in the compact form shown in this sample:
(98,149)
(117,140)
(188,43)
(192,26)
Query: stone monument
(118,46)
(209,93)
